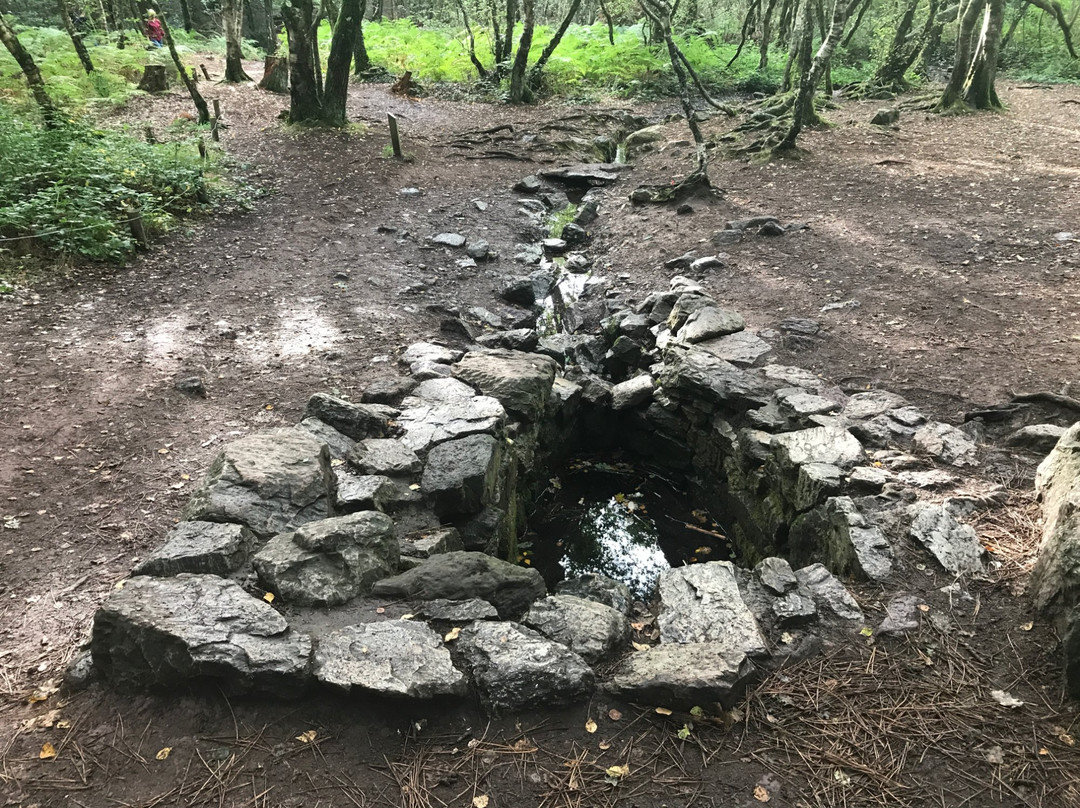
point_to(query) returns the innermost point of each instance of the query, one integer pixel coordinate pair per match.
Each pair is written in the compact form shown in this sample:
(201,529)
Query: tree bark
(519,87)
(610,24)
(193,90)
(185,11)
(766,35)
(76,37)
(232,16)
(361,59)
(481,71)
(30,72)
(305,105)
(538,68)
(336,89)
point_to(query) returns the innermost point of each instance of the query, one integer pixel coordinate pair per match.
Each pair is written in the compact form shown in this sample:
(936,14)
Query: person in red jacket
(153,30)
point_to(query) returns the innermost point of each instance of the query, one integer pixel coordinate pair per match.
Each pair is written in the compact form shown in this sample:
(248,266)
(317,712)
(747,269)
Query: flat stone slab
(384,456)
(429,424)
(430,352)
(592,630)
(462,575)
(271,482)
(601,589)
(708,323)
(356,421)
(871,403)
(339,444)
(200,547)
(396,658)
(520,381)
(164,632)
(743,349)
(956,546)
(702,603)
(694,373)
(460,475)
(829,445)
(632,392)
(831,596)
(684,676)
(515,668)
(946,443)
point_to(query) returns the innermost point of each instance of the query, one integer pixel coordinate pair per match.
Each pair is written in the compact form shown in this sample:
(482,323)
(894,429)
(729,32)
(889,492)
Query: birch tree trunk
(232,16)
(30,72)
(336,88)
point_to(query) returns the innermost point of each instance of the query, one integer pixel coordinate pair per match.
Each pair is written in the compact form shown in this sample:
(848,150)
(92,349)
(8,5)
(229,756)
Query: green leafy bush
(73,189)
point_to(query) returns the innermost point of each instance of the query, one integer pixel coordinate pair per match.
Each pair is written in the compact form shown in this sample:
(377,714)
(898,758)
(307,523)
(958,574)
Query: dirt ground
(942,230)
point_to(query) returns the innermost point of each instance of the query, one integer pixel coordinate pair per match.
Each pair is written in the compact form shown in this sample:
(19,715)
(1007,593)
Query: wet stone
(601,589)
(384,456)
(367,492)
(831,596)
(200,547)
(592,630)
(356,421)
(339,444)
(441,610)
(701,603)
(459,475)
(684,676)
(431,542)
(515,668)
(397,658)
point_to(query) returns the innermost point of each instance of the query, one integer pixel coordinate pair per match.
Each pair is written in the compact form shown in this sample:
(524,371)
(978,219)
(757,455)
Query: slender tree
(305,91)
(519,88)
(192,88)
(30,73)
(336,89)
(275,76)
(232,18)
(361,60)
(76,37)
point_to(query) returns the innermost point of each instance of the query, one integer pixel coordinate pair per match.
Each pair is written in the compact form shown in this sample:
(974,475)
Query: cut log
(155,79)
(275,75)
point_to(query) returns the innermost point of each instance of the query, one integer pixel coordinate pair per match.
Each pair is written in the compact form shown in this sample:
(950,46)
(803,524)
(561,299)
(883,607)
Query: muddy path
(943,231)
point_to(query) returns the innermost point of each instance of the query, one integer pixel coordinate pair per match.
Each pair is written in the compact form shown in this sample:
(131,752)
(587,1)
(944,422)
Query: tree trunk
(511,20)
(610,24)
(519,88)
(304,103)
(538,69)
(481,71)
(766,35)
(30,72)
(336,90)
(76,37)
(980,90)
(271,33)
(185,11)
(275,77)
(361,60)
(803,112)
(1005,40)
(232,17)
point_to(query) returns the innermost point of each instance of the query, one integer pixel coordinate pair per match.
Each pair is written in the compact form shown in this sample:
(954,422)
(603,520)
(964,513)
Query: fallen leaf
(269,597)
(617,771)
(480,801)
(414,487)
(407,616)
(48,751)
(1063,736)
(163,753)
(761,794)
(605,745)
(1027,626)
(452,634)
(663,711)
(787,638)
(381,610)
(640,646)
(1006,699)
(637,626)
(684,732)
(866,631)
(1042,751)
(590,726)
(697,712)
(307,737)
(923,607)
(842,777)
(614,714)
(65,724)
(995,755)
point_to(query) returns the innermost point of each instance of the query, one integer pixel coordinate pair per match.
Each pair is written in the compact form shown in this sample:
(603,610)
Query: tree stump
(275,75)
(155,79)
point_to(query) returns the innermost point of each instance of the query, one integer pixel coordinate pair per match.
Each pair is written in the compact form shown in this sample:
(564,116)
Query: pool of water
(621,521)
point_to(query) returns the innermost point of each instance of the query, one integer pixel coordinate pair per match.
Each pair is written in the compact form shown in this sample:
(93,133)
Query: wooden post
(194,75)
(150,135)
(395,141)
(138,232)
(205,72)
(216,123)
(202,149)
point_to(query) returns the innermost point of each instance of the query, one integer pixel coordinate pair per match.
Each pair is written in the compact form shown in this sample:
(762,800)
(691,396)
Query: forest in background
(71,186)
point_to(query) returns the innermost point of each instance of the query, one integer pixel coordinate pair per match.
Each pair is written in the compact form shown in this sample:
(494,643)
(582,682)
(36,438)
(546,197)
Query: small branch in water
(712,533)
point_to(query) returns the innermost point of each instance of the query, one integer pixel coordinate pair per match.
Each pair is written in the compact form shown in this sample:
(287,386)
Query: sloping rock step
(361,550)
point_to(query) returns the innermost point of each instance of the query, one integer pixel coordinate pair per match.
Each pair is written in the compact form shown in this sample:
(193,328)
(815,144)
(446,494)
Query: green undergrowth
(74,190)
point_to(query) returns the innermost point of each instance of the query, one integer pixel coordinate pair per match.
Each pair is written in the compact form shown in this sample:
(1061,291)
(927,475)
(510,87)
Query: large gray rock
(632,392)
(829,445)
(428,424)
(429,352)
(839,533)
(956,546)
(461,575)
(396,658)
(1041,438)
(684,676)
(601,589)
(331,561)
(200,547)
(701,603)
(340,445)
(165,632)
(871,403)
(742,349)
(710,322)
(696,374)
(384,456)
(515,668)
(520,381)
(1055,581)
(270,481)
(946,443)
(592,630)
(356,421)
(460,475)
(831,596)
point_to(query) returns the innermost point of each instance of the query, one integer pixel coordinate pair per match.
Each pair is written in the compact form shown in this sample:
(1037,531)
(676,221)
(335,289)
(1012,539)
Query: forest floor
(942,229)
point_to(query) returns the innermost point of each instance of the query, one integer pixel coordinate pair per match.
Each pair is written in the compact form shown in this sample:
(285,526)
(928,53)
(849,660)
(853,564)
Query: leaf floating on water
(614,714)
(163,753)
(307,737)
(590,726)
(1005,699)
(480,801)
(620,498)
(48,751)
(761,794)
(269,597)
(452,634)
